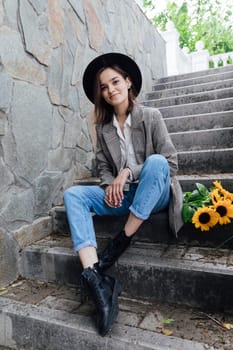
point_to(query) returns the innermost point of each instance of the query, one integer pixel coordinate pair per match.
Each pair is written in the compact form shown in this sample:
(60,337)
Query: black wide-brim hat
(107,60)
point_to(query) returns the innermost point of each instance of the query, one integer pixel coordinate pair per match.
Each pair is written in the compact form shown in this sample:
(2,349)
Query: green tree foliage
(206,20)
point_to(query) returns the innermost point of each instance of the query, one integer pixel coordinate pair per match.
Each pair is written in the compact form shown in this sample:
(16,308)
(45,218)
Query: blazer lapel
(138,138)
(113,143)
(138,134)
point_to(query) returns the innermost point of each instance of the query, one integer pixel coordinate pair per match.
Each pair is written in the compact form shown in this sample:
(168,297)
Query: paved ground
(182,322)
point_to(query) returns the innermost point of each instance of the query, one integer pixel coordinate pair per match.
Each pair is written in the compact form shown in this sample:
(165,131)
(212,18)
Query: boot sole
(114,310)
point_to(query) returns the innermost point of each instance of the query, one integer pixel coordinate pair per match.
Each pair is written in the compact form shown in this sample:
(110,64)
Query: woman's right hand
(114,192)
(109,199)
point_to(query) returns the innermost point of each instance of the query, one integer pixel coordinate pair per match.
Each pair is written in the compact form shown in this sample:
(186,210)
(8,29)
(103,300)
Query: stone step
(225,104)
(179,91)
(40,316)
(153,230)
(203,73)
(192,98)
(206,161)
(188,81)
(200,121)
(194,276)
(187,181)
(203,139)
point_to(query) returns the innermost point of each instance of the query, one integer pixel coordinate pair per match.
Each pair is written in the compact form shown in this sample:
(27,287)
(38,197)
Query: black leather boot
(113,250)
(104,290)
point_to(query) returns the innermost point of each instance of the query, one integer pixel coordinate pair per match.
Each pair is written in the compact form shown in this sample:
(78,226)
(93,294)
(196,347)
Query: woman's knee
(157,161)
(83,194)
(74,191)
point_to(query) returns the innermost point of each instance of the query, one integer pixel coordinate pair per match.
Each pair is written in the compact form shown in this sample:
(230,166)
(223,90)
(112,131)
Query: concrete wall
(45,137)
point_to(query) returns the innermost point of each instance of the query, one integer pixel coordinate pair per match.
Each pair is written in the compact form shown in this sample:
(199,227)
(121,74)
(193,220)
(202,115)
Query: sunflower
(225,193)
(205,218)
(218,185)
(215,196)
(224,208)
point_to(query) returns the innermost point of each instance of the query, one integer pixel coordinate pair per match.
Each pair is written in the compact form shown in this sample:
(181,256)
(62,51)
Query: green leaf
(186,196)
(196,204)
(202,189)
(168,321)
(187,213)
(195,195)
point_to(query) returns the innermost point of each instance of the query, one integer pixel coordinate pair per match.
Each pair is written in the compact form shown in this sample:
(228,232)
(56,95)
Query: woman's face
(114,88)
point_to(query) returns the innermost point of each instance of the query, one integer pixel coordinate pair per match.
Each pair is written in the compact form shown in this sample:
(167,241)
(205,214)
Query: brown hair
(104,111)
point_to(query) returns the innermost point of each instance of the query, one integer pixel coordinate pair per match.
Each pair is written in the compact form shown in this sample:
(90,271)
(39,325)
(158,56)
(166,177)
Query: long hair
(104,111)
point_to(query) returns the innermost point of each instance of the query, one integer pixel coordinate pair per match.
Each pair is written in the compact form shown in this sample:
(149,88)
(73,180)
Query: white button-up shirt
(128,158)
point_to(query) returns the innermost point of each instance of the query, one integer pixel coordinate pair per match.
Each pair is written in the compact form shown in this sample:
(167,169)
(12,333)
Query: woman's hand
(114,192)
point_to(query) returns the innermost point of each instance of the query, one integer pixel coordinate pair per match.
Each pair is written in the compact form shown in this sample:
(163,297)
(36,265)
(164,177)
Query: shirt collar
(127,122)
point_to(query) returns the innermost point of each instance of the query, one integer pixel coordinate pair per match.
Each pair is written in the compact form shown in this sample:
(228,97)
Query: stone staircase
(163,277)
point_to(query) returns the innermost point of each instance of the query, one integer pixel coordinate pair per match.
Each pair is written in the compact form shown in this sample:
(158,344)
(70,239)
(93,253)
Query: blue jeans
(151,194)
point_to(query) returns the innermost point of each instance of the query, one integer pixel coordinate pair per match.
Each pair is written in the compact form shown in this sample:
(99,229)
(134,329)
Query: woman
(136,162)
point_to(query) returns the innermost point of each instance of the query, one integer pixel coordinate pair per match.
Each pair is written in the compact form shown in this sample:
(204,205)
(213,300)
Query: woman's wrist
(130,174)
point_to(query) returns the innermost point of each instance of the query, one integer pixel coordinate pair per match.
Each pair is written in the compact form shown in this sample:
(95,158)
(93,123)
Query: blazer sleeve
(103,166)
(162,142)
(136,170)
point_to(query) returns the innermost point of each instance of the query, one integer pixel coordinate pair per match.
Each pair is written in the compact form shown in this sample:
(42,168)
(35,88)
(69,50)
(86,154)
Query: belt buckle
(126,187)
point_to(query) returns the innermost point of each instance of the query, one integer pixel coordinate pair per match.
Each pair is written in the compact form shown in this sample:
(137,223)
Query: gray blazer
(149,136)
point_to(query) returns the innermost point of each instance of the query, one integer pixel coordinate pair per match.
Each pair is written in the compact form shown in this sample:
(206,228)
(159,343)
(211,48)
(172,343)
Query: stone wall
(45,123)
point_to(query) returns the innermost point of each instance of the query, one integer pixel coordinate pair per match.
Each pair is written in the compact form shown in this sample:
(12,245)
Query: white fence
(180,61)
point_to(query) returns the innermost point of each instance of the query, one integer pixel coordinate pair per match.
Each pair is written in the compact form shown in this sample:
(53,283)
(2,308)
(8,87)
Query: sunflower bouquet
(207,207)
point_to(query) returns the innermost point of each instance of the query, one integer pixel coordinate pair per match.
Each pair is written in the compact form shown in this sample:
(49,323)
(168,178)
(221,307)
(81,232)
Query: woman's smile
(114,88)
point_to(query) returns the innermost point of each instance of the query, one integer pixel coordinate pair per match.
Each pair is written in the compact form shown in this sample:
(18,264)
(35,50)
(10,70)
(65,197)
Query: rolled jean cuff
(139,216)
(84,245)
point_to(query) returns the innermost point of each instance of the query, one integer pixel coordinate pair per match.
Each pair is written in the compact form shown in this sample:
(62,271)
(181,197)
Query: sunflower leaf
(187,213)
(186,196)
(202,189)
(195,195)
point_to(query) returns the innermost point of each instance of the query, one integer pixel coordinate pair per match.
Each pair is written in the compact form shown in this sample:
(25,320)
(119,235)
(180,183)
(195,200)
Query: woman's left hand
(114,192)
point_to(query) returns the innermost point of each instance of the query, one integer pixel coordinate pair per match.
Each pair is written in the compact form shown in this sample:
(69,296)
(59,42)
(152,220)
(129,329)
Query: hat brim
(107,60)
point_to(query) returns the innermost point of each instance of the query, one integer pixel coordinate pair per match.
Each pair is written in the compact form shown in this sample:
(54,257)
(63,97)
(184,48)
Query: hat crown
(107,60)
